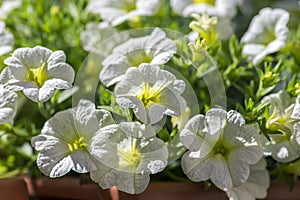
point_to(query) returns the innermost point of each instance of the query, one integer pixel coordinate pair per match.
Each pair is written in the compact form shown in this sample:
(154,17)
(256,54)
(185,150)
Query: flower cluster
(219,104)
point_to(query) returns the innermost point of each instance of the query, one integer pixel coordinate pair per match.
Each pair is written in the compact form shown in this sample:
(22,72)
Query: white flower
(151,92)
(267,34)
(6,40)
(205,26)
(219,8)
(283,146)
(282,110)
(255,187)
(156,49)
(37,72)
(8,105)
(93,38)
(118,11)
(221,148)
(64,142)
(7,6)
(94,34)
(127,154)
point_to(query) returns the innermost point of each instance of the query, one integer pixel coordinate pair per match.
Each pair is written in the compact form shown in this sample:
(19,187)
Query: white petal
(272,47)
(61,126)
(104,145)
(249,154)
(8,105)
(127,182)
(156,113)
(61,71)
(192,136)
(115,66)
(47,90)
(136,129)
(222,175)
(83,161)
(89,120)
(216,120)
(158,43)
(162,58)
(4,49)
(150,7)
(252,49)
(7,6)
(132,183)
(53,160)
(296,110)
(179,5)
(283,150)
(15,69)
(195,168)
(32,57)
(132,45)
(31,91)
(56,57)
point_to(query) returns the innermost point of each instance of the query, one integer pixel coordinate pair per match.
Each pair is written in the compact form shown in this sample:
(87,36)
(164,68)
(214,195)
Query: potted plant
(118,93)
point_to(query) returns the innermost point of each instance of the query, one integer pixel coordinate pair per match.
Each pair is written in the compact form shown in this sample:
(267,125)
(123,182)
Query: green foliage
(54,24)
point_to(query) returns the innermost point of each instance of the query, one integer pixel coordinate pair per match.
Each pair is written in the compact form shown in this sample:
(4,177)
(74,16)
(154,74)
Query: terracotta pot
(75,188)
(13,189)
(280,191)
(175,191)
(44,188)
(191,191)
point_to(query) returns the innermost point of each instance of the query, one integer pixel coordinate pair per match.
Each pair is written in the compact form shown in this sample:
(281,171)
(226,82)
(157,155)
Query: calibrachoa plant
(132,91)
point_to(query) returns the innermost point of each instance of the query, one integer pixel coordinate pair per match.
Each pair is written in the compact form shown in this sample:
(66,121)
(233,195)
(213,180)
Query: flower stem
(175,177)
(43,111)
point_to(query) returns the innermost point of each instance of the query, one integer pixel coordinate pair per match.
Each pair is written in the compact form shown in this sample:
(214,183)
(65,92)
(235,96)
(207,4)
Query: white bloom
(151,92)
(282,110)
(94,34)
(284,118)
(219,8)
(118,11)
(267,34)
(156,49)
(37,72)
(64,142)
(93,38)
(6,40)
(7,6)
(224,30)
(221,148)
(255,187)
(8,105)
(127,154)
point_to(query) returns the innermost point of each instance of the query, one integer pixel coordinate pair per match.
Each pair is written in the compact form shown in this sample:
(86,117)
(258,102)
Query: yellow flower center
(280,122)
(37,75)
(138,57)
(220,148)
(129,156)
(149,95)
(267,37)
(130,5)
(77,144)
(210,2)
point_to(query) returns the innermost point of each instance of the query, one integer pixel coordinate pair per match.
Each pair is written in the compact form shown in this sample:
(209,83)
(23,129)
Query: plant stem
(175,177)
(43,111)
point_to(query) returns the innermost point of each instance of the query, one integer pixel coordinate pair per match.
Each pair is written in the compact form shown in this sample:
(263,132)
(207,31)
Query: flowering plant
(203,90)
